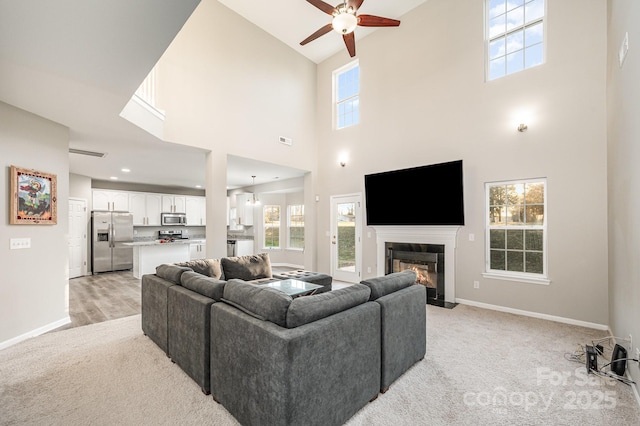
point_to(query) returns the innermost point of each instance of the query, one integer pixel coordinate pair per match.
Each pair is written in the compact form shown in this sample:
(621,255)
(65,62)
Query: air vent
(89,153)
(286,141)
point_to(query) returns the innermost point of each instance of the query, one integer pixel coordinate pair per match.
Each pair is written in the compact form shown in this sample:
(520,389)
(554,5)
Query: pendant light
(254,200)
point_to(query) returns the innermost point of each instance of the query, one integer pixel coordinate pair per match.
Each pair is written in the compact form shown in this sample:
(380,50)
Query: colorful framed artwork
(34,197)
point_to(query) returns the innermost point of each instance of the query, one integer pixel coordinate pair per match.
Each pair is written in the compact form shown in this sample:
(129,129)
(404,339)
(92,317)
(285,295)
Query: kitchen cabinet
(198,250)
(174,203)
(110,200)
(244,209)
(196,208)
(146,208)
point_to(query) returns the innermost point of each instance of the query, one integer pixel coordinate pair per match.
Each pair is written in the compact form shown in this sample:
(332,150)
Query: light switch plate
(19,243)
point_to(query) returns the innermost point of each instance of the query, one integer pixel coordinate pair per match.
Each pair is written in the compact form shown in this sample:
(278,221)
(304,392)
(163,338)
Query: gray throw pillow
(264,303)
(208,267)
(307,309)
(171,272)
(386,284)
(206,286)
(247,268)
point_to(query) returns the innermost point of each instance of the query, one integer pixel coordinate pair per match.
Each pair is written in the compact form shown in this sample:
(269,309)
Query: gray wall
(34,284)
(424,100)
(624,174)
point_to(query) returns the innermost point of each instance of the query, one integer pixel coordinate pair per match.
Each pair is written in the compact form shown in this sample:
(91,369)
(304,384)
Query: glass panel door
(345,238)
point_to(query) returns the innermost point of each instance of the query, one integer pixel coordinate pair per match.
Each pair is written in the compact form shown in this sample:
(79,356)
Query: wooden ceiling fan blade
(355,4)
(325,7)
(322,31)
(376,21)
(350,42)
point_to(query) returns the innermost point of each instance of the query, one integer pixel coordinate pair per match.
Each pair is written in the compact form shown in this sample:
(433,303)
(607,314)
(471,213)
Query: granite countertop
(239,238)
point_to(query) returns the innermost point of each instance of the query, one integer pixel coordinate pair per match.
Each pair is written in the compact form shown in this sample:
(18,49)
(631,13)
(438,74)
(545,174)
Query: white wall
(34,285)
(230,87)
(424,100)
(80,187)
(624,174)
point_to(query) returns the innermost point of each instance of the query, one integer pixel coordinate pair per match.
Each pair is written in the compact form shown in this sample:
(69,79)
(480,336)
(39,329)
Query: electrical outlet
(368,269)
(476,284)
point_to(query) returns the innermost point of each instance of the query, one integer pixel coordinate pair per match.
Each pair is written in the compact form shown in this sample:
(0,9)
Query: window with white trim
(346,84)
(271,226)
(295,226)
(516,236)
(515,36)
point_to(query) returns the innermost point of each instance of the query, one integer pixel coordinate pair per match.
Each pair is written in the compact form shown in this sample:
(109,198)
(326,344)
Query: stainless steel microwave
(171,219)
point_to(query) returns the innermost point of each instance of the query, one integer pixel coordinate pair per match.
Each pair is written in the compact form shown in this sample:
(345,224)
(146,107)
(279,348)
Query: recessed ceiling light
(113,178)
(198,186)
(126,170)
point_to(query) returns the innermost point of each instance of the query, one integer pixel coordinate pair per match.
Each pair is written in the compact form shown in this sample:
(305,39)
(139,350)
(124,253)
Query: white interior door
(346,242)
(77,237)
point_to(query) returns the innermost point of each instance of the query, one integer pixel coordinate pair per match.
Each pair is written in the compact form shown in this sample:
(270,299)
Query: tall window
(346,82)
(515,33)
(295,222)
(271,222)
(517,227)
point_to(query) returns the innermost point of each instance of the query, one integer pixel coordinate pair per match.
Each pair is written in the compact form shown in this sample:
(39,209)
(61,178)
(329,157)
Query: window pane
(515,261)
(533,10)
(497,237)
(497,215)
(533,56)
(497,7)
(535,215)
(515,18)
(515,41)
(497,68)
(533,34)
(497,26)
(497,260)
(534,193)
(515,215)
(496,48)
(534,239)
(497,195)
(515,62)
(515,239)
(515,193)
(534,263)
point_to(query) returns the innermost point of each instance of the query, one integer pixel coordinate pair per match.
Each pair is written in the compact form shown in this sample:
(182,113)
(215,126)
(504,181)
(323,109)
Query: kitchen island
(147,255)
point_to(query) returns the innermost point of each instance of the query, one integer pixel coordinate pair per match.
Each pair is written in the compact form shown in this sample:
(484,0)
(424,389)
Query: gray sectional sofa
(269,358)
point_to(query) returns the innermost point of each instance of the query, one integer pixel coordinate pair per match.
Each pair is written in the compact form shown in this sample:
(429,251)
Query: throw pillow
(208,267)
(247,268)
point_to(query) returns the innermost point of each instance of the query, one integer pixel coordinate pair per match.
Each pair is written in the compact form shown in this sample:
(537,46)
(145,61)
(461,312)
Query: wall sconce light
(343,163)
(522,127)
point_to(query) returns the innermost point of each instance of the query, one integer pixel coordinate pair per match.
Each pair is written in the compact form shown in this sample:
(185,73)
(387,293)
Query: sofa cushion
(307,309)
(247,268)
(171,273)
(206,286)
(208,267)
(265,303)
(381,286)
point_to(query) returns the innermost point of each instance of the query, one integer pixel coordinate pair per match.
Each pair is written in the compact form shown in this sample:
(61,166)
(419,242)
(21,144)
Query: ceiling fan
(345,21)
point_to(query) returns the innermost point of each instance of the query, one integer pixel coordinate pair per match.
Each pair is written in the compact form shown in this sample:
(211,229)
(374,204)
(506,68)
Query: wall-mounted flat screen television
(425,195)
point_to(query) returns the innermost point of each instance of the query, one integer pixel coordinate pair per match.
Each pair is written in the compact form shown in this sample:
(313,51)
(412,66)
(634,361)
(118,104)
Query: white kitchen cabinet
(244,209)
(198,250)
(244,247)
(196,208)
(146,208)
(110,200)
(174,203)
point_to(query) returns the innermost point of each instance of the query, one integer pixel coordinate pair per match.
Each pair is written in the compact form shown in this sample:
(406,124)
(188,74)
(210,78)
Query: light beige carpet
(482,368)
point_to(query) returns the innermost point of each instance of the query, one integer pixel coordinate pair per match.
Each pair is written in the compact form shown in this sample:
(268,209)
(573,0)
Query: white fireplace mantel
(444,235)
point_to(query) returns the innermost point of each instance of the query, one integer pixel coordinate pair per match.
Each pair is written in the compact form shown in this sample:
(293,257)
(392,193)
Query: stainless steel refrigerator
(109,230)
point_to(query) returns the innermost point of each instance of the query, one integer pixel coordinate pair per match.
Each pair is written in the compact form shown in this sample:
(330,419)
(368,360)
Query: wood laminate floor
(112,295)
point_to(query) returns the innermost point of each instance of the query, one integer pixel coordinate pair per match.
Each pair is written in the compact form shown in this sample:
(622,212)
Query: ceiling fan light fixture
(344,22)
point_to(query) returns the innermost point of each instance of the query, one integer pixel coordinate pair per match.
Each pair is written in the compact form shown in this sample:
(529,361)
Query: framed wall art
(34,198)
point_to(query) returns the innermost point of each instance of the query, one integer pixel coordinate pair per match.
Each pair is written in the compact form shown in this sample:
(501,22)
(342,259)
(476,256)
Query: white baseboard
(33,333)
(535,315)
